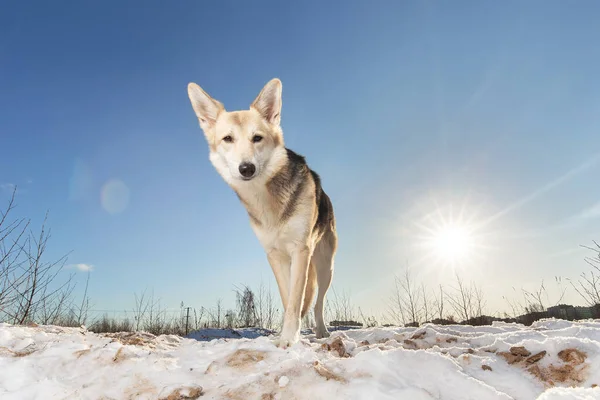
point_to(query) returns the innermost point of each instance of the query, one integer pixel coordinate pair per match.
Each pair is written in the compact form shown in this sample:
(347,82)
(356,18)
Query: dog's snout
(247,169)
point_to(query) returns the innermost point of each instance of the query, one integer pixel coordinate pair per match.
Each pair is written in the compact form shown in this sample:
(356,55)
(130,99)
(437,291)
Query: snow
(430,362)
(283,381)
(569,394)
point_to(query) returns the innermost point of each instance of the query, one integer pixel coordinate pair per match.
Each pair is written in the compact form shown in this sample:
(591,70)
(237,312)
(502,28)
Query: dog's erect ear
(268,102)
(206,108)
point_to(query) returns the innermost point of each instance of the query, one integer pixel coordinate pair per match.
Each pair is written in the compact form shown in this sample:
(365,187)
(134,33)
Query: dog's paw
(290,333)
(321,333)
(284,341)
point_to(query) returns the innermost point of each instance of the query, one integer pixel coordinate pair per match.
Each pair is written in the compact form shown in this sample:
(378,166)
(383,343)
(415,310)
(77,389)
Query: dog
(288,210)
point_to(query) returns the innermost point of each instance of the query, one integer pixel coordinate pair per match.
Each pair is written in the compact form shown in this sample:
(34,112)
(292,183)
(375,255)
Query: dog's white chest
(284,237)
(272,231)
(268,238)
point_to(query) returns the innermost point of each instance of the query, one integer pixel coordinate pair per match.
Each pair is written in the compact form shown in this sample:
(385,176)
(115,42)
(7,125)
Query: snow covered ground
(550,360)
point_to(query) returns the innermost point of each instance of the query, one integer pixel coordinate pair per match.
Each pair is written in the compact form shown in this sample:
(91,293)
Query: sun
(451,236)
(452,243)
(444,231)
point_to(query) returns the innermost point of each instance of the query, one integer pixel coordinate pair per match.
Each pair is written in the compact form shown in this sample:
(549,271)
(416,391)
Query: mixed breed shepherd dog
(288,210)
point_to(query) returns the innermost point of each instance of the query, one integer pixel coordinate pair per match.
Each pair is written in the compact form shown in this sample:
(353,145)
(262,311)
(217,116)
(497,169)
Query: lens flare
(114,196)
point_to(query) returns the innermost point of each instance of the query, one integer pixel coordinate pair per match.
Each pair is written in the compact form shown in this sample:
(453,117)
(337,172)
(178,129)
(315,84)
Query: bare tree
(198,318)
(514,305)
(426,309)
(156,321)
(34,287)
(266,311)
(29,286)
(588,286)
(82,314)
(339,306)
(12,234)
(405,305)
(53,311)
(216,315)
(219,313)
(534,301)
(479,302)
(396,308)
(439,303)
(462,299)
(149,315)
(142,305)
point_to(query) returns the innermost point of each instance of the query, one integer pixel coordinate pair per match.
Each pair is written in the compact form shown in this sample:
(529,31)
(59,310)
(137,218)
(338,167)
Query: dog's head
(242,143)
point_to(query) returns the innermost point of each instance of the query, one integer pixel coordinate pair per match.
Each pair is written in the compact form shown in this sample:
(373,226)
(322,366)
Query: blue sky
(404,108)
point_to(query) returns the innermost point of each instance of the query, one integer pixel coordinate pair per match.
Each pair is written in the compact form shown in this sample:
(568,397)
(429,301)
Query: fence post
(187,320)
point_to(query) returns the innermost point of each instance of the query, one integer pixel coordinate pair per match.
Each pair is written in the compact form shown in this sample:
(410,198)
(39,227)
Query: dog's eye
(228,139)
(256,138)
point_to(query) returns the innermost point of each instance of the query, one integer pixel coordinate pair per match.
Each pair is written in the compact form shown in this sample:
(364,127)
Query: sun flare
(451,236)
(452,243)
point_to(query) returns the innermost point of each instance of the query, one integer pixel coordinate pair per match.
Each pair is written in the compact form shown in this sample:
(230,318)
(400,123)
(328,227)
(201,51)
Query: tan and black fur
(289,212)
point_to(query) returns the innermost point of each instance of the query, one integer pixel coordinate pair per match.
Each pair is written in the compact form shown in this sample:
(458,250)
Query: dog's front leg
(280,264)
(290,333)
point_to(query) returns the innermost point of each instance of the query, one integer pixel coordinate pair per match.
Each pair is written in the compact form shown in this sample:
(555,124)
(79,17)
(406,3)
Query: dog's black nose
(247,169)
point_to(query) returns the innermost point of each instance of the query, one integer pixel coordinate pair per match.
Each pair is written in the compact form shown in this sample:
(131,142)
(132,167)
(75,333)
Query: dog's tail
(311,286)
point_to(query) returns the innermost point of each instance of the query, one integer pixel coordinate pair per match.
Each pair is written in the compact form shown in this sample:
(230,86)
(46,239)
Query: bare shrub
(246,307)
(150,316)
(438,303)
(197,315)
(426,309)
(142,305)
(266,310)
(588,285)
(534,302)
(155,321)
(367,321)
(479,301)
(82,312)
(30,290)
(230,319)
(405,306)
(215,316)
(12,235)
(462,299)
(111,325)
(339,307)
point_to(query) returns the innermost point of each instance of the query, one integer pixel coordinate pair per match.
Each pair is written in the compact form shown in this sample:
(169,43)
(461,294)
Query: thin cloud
(583,216)
(82,267)
(567,252)
(7,187)
(592,162)
(571,222)
(592,212)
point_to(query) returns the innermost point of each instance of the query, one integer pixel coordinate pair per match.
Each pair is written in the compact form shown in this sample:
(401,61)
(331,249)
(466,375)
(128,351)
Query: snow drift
(549,360)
